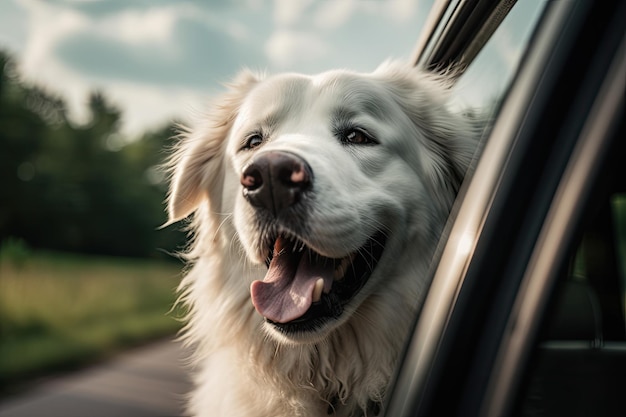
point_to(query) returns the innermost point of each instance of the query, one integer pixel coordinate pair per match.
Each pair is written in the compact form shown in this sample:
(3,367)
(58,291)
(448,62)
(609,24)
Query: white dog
(317,204)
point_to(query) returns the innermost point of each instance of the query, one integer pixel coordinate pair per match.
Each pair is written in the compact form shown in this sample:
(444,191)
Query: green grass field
(59,311)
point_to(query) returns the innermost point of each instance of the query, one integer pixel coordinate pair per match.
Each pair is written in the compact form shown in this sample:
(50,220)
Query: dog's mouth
(303,290)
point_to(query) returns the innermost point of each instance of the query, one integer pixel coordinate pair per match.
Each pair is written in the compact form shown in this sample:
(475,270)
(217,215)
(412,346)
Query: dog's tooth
(317,291)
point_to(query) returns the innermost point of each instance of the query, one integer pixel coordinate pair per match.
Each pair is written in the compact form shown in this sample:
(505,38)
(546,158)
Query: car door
(485,341)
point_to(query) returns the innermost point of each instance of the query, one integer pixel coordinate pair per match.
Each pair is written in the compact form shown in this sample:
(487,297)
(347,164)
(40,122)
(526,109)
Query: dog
(315,206)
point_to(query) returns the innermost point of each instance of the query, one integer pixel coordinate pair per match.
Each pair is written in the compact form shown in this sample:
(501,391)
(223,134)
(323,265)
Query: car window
(579,364)
(487,78)
(471,339)
(481,45)
(481,85)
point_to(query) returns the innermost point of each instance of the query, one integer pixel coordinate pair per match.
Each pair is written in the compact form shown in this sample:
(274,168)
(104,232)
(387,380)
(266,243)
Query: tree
(66,188)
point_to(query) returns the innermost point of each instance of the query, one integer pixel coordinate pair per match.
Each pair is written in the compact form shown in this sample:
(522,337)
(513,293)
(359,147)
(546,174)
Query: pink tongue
(286,292)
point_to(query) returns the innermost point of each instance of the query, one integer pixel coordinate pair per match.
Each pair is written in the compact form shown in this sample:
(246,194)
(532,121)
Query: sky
(157,60)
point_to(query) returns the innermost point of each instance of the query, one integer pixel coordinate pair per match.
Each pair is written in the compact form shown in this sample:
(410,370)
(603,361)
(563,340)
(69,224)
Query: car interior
(578,367)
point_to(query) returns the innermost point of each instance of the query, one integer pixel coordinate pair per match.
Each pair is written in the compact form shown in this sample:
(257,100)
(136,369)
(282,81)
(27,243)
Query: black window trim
(456,30)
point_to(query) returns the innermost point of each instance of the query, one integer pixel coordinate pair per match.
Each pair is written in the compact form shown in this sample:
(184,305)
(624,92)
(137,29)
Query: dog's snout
(276,180)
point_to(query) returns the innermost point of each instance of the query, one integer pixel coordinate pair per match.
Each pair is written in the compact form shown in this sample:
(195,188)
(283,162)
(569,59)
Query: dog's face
(329,179)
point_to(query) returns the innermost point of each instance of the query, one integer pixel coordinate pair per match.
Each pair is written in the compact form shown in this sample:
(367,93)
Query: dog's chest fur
(252,375)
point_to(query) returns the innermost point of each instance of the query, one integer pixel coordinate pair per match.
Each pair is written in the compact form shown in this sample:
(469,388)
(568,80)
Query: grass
(60,311)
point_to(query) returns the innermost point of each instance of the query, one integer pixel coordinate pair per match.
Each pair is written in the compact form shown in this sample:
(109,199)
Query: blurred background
(89,92)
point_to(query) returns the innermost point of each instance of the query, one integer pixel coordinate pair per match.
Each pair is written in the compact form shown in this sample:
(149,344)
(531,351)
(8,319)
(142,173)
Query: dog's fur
(401,183)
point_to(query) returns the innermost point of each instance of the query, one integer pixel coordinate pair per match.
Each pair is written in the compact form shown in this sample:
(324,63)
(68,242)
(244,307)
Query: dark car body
(525,313)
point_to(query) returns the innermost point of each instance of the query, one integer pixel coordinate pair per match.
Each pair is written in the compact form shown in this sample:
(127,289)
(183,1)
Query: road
(145,382)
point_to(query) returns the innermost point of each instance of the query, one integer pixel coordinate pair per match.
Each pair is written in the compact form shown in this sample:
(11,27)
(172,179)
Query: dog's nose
(275,180)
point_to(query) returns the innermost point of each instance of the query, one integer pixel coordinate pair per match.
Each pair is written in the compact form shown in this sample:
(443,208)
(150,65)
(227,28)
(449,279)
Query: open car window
(482,43)
(478,323)
(487,78)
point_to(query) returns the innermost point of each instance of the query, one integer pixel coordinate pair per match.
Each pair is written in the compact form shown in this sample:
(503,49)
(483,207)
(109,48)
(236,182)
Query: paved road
(146,382)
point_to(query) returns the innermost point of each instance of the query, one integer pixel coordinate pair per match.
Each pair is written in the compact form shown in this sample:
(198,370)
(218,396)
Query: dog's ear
(196,162)
(449,139)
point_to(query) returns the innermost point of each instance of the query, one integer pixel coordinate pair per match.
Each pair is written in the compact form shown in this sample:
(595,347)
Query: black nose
(275,180)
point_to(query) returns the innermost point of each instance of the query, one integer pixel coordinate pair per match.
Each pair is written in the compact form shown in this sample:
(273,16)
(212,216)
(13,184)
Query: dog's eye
(357,137)
(253,141)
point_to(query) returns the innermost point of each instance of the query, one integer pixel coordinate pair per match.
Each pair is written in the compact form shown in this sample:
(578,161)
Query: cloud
(98,9)
(289,12)
(317,36)
(154,57)
(332,14)
(402,10)
(148,41)
(286,48)
(151,58)
(47,25)
(154,25)
(193,56)
(153,105)
(13,32)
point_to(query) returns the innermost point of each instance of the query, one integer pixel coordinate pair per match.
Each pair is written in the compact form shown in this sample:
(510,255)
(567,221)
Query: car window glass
(487,78)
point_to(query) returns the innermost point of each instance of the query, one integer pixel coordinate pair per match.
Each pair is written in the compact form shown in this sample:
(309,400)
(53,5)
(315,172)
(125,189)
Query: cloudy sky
(159,59)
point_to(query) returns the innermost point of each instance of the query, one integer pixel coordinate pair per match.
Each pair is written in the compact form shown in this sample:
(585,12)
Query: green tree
(79,188)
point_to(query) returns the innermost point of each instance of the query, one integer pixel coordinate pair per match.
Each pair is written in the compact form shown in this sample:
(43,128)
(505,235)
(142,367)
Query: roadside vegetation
(85,270)
(59,311)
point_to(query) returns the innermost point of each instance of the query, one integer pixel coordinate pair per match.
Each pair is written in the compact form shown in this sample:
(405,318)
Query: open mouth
(303,290)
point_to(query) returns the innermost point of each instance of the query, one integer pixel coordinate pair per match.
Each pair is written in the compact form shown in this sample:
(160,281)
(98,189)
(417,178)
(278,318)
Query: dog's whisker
(226,217)
(368,257)
(377,224)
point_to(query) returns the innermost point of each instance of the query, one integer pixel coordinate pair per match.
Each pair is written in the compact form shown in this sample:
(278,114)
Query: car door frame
(456,362)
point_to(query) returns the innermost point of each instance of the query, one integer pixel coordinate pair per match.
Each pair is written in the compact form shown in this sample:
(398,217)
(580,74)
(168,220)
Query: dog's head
(330,180)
